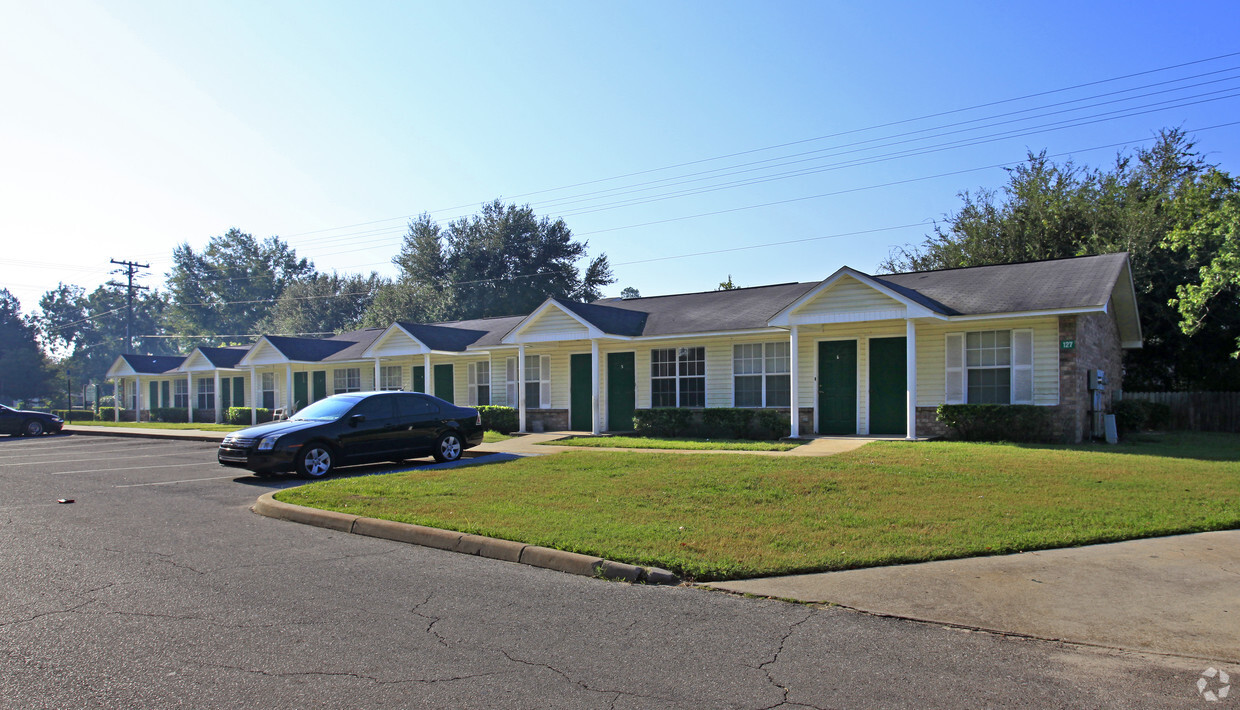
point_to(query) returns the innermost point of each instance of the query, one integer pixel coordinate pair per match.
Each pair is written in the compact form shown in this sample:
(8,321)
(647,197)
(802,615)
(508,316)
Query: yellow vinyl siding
(554,321)
(931,362)
(848,295)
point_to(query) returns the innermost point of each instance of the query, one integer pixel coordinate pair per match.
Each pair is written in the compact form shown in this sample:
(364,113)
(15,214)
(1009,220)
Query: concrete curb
(175,436)
(464,543)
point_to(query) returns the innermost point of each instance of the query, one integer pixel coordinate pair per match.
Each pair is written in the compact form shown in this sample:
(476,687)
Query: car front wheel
(448,447)
(34,427)
(315,460)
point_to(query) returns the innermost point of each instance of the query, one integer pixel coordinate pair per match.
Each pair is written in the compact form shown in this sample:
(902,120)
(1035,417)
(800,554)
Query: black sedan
(360,427)
(19,422)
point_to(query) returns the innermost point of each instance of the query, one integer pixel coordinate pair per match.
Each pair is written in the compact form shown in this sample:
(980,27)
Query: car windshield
(324,410)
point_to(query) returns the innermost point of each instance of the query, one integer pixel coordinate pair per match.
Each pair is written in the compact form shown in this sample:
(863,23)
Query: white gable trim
(395,330)
(788,316)
(120,368)
(518,333)
(260,354)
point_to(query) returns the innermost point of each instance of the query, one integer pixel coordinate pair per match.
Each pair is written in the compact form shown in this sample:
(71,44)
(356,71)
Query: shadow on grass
(1197,445)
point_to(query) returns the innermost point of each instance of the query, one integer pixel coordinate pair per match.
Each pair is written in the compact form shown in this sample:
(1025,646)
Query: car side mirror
(357,419)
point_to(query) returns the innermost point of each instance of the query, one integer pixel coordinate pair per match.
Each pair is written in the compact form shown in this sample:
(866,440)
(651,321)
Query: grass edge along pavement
(708,518)
(646,442)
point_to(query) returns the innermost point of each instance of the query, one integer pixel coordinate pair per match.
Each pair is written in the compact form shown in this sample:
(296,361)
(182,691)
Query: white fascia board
(391,331)
(261,345)
(712,334)
(514,335)
(120,368)
(785,318)
(1029,314)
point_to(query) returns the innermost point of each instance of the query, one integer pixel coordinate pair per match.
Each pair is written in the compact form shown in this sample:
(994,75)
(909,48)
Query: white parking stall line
(140,456)
(46,454)
(169,483)
(135,468)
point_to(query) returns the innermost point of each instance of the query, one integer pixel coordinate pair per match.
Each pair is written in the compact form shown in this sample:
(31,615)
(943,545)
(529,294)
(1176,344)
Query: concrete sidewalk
(145,433)
(1175,595)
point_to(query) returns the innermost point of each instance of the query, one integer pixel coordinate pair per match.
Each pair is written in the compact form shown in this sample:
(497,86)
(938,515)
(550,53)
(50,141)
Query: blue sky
(131,127)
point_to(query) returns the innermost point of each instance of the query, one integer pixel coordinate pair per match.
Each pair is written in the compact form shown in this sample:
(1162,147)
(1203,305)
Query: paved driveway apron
(158,588)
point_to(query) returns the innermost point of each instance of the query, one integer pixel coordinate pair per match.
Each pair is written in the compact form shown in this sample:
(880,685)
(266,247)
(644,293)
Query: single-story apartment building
(853,354)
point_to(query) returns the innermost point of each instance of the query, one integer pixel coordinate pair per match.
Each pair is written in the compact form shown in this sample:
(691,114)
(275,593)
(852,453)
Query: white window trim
(206,392)
(677,377)
(385,379)
(180,388)
(349,373)
(477,378)
(1021,366)
(763,375)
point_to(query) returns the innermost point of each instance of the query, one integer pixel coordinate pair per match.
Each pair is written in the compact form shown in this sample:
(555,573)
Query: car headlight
(267,443)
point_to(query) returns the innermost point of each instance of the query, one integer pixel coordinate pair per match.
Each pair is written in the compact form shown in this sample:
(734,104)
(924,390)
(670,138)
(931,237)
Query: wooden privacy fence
(1197,411)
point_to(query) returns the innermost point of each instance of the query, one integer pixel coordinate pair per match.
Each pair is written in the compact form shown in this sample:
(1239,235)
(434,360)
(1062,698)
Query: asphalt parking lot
(158,588)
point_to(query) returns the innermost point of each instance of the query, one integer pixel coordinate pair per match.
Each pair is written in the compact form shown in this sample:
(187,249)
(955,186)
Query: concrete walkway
(143,432)
(1174,595)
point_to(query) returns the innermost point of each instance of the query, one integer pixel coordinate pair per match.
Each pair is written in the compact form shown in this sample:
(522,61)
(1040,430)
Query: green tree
(24,371)
(1050,210)
(1209,233)
(324,303)
(727,285)
(230,287)
(630,292)
(502,261)
(87,331)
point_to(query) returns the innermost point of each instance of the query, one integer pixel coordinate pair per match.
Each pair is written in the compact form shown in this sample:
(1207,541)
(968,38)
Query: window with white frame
(480,383)
(206,393)
(347,379)
(678,377)
(761,375)
(267,386)
(180,393)
(990,367)
(537,390)
(390,377)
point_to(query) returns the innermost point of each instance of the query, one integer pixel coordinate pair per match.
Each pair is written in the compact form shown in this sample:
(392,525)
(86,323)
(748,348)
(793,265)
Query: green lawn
(490,437)
(719,517)
(644,442)
(200,426)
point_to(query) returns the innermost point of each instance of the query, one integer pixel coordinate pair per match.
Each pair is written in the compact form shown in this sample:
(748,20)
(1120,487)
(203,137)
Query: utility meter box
(1097,380)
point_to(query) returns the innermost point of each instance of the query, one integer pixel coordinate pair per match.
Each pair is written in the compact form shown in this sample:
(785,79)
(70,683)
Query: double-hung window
(537,389)
(206,393)
(678,377)
(389,377)
(479,383)
(990,367)
(347,379)
(761,375)
(180,394)
(267,384)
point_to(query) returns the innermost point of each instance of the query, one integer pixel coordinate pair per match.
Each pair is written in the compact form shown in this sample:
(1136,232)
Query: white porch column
(189,389)
(377,385)
(137,400)
(521,388)
(217,396)
(427,387)
(596,421)
(910,354)
(288,389)
(253,396)
(793,360)
(117,400)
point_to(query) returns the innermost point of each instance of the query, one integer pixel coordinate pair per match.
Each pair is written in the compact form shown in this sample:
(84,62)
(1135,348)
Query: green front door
(238,399)
(153,402)
(621,391)
(888,386)
(319,382)
(443,383)
(163,391)
(837,387)
(419,379)
(581,415)
(299,390)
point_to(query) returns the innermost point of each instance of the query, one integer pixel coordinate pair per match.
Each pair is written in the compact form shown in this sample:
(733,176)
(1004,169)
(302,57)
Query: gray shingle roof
(345,346)
(455,336)
(1079,282)
(704,312)
(224,357)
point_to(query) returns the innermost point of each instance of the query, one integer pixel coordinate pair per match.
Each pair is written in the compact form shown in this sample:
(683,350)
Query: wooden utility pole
(131,268)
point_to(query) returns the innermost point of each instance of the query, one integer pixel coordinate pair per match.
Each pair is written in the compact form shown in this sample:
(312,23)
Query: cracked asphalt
(158,588)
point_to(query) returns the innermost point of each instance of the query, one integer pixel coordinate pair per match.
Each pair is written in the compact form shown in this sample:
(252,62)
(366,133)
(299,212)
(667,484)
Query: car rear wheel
(34,427)
(315,460)
(448,447)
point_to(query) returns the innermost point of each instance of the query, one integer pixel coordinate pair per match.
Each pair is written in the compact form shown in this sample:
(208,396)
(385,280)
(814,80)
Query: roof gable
(552,321)
(849,296)
(129,364)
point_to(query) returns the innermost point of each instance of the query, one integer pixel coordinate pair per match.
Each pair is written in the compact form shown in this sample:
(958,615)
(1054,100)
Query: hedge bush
(1022,423)
(107,414)
(1134,415)
(505,420)
(711,423)
(74,415)
(241,415)
(170,415)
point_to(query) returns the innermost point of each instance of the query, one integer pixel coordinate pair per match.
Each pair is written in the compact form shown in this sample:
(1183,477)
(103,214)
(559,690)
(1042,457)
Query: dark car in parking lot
(20,422)
(360,427)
